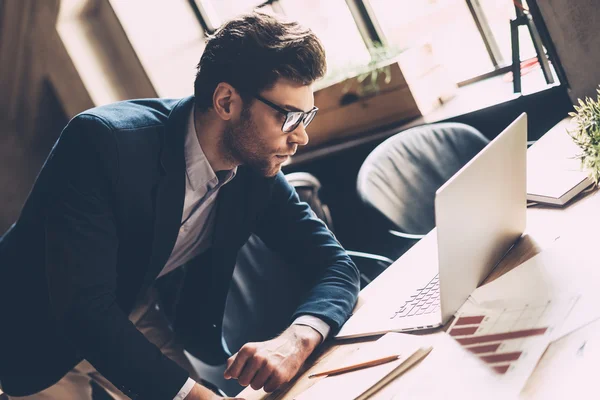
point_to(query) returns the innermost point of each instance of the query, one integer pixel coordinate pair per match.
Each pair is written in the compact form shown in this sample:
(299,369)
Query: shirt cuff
(185,389)
(314,322)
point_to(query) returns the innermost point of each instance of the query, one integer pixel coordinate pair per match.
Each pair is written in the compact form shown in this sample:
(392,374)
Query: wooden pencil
(355,367)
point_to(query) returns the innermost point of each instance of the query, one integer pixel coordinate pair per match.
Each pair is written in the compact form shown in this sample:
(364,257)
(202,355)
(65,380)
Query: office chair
(398,179)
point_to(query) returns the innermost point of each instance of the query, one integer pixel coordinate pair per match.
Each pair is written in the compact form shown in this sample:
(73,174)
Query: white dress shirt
(202,185)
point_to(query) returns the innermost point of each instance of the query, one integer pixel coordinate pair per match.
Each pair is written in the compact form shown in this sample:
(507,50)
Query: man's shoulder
(133,114)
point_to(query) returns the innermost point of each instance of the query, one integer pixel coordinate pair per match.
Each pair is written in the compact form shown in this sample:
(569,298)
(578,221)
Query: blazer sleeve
(289,227)
(81,255)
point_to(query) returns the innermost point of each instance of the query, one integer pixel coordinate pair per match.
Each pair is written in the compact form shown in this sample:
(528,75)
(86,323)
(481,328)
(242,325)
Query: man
(134,190)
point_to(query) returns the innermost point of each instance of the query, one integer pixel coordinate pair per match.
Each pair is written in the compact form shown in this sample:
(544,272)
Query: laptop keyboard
(425,301)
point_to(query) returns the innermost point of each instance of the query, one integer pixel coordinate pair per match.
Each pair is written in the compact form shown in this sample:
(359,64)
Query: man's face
(256,138)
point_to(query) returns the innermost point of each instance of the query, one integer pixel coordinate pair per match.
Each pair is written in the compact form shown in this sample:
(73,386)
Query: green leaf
(586,134)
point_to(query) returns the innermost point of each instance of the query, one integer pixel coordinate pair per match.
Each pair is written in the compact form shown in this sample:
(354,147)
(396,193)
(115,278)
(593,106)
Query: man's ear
(226,101)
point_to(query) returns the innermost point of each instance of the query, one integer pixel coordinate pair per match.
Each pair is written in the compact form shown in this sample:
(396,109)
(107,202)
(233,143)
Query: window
(499,14)
(447,25)
(333,23)
(222,10)
(468,38)
(331,20)
(169,60)
(348,29)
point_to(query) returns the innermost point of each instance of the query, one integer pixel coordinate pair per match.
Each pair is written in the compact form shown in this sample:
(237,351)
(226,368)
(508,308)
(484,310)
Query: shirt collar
(198,170)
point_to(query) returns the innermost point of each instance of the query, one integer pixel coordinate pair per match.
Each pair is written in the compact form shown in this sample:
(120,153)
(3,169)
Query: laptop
(480,214)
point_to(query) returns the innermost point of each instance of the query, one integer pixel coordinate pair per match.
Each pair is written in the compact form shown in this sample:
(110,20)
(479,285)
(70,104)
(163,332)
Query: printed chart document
(510,322)
(510,336)
(568,269)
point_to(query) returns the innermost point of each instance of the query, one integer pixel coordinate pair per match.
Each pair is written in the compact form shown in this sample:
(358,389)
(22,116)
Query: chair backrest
(307,186)
(401,175)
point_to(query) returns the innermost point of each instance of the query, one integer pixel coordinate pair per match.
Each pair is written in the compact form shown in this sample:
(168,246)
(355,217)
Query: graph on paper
(509,336)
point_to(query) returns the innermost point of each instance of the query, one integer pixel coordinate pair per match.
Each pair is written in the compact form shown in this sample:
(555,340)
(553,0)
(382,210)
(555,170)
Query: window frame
(373,35)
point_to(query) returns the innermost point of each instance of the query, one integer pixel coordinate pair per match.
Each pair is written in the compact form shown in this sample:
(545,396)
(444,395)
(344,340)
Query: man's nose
(299,135)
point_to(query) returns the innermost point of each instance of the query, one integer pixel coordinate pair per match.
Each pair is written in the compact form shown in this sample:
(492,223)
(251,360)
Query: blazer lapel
(230,212)
(170,190)
(238,201)
(229,223)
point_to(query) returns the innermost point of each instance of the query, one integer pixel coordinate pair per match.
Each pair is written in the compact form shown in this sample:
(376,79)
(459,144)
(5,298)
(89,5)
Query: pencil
(355,367)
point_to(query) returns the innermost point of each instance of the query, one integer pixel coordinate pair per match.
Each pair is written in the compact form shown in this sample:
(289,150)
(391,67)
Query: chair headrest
(401,175)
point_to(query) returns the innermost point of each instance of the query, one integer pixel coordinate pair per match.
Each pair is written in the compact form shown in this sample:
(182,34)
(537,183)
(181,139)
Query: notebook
(554,174)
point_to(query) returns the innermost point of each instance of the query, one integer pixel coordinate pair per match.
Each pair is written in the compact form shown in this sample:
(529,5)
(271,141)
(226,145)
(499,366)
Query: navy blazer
(98,227)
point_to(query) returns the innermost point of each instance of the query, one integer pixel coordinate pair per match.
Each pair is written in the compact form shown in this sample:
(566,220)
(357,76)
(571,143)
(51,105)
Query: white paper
(350,385)
(569,369)
(447,372)
(569,268)
(510,334)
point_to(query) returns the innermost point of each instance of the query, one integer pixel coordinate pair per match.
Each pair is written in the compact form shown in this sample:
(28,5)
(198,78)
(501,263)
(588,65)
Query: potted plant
(364,79)
(586,134)
(394,86)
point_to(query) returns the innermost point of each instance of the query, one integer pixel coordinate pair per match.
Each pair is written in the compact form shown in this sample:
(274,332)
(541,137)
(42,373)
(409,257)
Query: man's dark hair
(252,51)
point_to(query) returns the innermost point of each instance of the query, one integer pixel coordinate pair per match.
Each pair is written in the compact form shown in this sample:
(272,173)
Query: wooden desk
(580,218)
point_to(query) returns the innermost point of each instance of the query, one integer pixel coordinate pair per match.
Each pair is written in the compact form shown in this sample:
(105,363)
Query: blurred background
(61,57)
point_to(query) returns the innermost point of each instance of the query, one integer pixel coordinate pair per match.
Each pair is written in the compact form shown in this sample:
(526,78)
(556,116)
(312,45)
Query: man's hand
(199,392)
(274,362)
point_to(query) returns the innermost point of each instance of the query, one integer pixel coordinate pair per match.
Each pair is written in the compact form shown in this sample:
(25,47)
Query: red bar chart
(511,336)
(489,353)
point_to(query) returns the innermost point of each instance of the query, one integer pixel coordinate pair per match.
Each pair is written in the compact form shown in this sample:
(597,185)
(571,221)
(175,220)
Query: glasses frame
(306,116)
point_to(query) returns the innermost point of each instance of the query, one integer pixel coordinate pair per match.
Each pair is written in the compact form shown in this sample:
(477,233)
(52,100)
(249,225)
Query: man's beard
(242,144)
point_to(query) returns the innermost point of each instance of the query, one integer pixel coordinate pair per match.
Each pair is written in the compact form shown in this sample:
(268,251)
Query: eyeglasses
(292,118)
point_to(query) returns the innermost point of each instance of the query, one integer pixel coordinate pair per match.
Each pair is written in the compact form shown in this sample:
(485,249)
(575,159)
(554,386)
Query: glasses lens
(292,121)
(309,117)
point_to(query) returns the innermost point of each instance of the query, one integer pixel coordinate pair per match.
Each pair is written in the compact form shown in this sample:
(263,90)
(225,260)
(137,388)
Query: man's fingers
(275,380)
(235,369)
(230,361)
(253,366)
(261,377)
